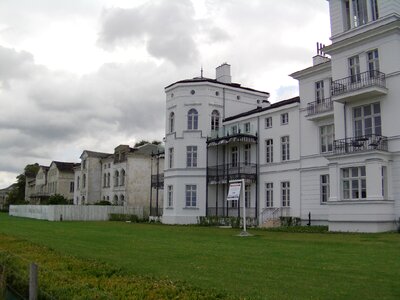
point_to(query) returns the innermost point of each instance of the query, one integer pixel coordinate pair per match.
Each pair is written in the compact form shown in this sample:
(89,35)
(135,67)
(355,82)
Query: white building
(332,154)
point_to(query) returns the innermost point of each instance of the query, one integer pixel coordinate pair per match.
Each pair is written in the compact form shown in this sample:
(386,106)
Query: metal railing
(157,181)
(269,213)
(319,106)
(369,142)
(358,81)
(232,171)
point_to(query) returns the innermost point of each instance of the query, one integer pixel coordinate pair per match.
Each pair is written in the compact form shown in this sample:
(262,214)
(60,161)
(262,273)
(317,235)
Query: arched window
(83,200)
(115,200)
(122,181)
(105,180)
(193,118)
(116,178)
(121,200)
(215,120)
(171,122)
(108,179)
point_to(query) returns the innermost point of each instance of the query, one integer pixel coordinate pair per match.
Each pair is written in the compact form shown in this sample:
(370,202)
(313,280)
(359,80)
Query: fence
(72,212)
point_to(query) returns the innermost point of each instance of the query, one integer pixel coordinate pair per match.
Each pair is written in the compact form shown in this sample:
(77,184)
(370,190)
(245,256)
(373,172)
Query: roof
(261,109)
(65,166)
(204,79)
(148,149)
(310,70)
(97,154)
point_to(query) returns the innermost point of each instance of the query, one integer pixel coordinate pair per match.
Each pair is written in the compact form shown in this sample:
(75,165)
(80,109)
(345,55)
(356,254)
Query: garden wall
(72,212)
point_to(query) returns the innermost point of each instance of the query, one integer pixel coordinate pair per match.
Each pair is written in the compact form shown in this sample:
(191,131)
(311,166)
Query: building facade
(330,156)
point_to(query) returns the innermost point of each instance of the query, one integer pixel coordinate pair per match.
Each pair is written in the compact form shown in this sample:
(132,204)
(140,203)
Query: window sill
(191,208)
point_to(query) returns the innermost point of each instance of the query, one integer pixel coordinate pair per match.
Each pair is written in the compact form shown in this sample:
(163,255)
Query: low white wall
(72,212)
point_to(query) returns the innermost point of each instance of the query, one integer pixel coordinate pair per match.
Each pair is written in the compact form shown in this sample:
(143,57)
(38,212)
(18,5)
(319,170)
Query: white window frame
(247,154)
(170,195)
(171,122)
(247,195)
(285,148)
(191,156)
(234,156)
(285,118)
(319,91)
(361,118)
(354,183)
(268,122)
(285,193)
(269,151)
(326,138)
(191,195)
(354,69)
(247,127)
(269,194)
(372,62)
(193,119)
(215,120)
(171,157)
(324,188)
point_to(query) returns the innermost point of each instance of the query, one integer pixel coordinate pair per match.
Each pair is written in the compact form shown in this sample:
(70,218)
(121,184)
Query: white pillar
(373,169)
(334,182)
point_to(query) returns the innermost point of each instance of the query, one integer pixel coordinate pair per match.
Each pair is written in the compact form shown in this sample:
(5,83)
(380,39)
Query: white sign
(234,191)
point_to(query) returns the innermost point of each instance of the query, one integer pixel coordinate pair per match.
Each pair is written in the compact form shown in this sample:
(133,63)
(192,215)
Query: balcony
(371,142)
(227,172)
(157,181)
(319,109)
(360,86)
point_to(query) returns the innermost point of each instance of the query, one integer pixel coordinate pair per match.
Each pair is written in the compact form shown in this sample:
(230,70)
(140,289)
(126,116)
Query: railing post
(33,281)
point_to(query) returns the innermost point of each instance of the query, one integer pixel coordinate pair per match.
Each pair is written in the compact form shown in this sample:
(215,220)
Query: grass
(269,265)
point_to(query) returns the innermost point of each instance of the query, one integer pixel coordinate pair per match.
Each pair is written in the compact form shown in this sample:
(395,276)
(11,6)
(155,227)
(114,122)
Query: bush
(290,221)
(300,229)
(103,202)
(126,217)
(56,200)
(234,222)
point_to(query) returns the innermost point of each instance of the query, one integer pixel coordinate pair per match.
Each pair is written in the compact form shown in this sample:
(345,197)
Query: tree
(57,199)
(17,194)
(141,143)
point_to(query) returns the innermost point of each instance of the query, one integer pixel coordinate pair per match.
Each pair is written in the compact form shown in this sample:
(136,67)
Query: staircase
(269,217)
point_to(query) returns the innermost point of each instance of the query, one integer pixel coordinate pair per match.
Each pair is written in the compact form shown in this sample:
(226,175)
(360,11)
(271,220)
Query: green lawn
(269,265)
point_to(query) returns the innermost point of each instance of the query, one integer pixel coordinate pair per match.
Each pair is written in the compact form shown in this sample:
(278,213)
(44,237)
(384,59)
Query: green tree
(17,194)
(57,199)
(141,143)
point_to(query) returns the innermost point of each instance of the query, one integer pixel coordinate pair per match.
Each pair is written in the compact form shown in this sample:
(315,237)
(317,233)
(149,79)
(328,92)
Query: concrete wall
(71,212)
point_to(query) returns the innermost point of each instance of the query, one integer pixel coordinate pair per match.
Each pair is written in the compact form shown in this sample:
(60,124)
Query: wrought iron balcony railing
(319,106)
(369,142)
(223,173)
(157,182)
(358,81)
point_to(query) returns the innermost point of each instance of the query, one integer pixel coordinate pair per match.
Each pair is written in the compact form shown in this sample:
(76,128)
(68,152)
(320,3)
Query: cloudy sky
(90,74)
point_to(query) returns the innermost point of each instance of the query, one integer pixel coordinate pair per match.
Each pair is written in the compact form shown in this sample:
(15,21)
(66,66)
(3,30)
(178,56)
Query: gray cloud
(168,28)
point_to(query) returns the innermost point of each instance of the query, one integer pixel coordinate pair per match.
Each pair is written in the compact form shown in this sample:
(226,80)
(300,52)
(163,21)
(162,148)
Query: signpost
(236,192)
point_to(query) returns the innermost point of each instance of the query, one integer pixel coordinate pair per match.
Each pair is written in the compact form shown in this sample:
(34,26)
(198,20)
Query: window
(354,184)
(269,194)
(191,156)
(116,178)
(327,135)
(77,183)
(374,10)
(247,154)
(122,183)
(367,120)
(354,69)
(193,118)
(319,91)
(247,195)
(191,195)
(171,122)
(234,156)
(269,151)
(360,15)
(170,196)
(115,200)
(84,164)
(108,179)
(268,122)
(171,158)
(384,181)
(284,118)
(104,180)
(247,127)
(215,120)
(285,149)
(84,180)
(285,193)
(324,184)
(234,129)
(373,62)
(121,200)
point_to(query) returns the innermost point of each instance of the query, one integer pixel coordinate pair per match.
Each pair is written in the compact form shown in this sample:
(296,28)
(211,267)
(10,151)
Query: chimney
(223,73)
(320,57)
